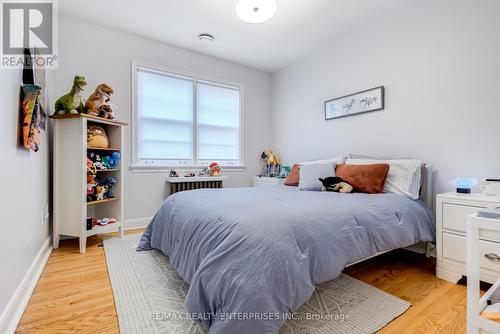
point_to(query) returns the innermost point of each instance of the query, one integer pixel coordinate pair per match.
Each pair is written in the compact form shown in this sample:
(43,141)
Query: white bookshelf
(71,208)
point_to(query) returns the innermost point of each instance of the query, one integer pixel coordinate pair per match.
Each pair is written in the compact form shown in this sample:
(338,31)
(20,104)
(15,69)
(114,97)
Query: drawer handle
(492,257)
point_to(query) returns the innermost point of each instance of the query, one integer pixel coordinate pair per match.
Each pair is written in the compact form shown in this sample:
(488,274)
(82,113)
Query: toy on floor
(99,98)
(335,183)
(72,103)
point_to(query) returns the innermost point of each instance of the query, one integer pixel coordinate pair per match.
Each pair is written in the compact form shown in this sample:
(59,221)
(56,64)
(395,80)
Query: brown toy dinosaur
(97,103)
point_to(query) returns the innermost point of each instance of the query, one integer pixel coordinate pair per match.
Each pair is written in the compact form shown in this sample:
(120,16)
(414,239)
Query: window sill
(182,169)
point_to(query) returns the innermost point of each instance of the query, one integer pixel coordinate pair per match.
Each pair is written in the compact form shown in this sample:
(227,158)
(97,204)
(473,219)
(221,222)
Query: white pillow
(337,160)
(311,172)
(403,177)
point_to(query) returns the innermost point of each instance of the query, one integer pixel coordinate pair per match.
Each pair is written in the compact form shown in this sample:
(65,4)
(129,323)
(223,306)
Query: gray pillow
(311,172)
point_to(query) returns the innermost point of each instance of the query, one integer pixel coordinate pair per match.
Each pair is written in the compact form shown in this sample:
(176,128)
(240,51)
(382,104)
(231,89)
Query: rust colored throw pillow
(364,178)
(293,177)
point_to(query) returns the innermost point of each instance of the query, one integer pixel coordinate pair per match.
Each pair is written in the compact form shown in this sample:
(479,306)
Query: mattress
(252,255)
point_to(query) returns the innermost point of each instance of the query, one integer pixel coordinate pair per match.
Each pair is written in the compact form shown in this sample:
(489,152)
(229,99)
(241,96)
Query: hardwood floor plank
(74,293)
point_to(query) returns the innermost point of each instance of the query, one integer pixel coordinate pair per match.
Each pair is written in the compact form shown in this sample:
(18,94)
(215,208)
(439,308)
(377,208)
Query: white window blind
(165,114)
(218,122)
(182,120)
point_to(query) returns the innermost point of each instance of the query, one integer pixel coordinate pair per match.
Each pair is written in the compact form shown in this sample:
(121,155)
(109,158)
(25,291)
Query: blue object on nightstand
(463,184)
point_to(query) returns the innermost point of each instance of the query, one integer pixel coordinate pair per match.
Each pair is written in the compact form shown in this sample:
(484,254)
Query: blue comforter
(251,255)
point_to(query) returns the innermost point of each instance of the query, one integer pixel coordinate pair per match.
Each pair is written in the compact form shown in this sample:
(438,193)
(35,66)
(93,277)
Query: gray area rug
(149,297)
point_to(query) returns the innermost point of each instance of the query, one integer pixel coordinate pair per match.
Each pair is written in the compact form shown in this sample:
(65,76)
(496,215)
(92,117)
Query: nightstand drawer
(454,216)
(454,248)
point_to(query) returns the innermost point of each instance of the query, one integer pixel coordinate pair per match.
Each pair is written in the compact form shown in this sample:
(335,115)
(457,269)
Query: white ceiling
(298,28)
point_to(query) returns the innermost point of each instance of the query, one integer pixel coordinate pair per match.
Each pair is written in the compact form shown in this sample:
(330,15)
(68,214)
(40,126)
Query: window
(184,120)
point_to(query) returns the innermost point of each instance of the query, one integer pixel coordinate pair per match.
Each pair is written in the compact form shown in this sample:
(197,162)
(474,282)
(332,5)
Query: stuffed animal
(114,160)
(91,168)
(106,111)
(109,183)
(100,191)
(214,169)
(335,183)
(91,184)
(101,96)
(95,158)
(72,103)
(96,136)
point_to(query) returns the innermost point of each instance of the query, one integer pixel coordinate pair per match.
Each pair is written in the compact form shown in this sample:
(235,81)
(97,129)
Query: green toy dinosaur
(72,103)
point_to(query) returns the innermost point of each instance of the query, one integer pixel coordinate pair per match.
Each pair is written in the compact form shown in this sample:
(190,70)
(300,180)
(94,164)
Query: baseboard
(14,311)
(135,223)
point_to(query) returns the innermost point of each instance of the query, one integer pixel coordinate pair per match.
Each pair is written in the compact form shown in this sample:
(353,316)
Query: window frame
(137,164)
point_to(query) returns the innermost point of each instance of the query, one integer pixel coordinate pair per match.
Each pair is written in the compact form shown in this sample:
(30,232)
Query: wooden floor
(74,294)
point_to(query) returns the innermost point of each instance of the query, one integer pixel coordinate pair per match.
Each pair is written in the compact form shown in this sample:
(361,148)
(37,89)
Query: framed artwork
(352,104)
(284,171)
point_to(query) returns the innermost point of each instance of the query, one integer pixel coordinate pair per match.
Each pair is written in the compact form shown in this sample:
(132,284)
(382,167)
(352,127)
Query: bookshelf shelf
(106,200)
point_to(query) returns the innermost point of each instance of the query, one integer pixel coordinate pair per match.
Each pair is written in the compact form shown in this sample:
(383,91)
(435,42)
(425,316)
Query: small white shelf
(71,208)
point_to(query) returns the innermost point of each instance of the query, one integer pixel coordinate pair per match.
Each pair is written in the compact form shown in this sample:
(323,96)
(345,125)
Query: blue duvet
(251,255)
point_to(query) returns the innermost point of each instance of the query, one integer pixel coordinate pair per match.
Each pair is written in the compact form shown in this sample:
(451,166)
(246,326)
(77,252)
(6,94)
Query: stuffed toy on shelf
(96,137)
(98,103)
(109,184)
(72,103)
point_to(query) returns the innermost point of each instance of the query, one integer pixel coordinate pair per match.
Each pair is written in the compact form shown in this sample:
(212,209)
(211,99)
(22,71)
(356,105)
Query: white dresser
(262,181)
(451,212)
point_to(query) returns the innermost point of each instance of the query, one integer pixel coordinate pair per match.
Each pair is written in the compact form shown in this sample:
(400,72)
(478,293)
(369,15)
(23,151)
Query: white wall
(440,64)
(25,192)
(105,55)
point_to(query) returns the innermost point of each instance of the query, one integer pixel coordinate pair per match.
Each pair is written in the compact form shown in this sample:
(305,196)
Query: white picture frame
(357,103)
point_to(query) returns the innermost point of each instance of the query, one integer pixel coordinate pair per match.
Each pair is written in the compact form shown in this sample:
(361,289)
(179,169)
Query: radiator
(191,185)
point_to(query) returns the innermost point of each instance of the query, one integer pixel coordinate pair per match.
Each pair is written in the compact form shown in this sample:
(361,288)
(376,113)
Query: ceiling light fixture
(255,11)
(206,38)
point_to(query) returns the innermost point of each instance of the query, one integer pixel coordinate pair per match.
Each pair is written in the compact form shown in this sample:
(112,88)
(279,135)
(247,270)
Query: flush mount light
(255,11)
(206,38)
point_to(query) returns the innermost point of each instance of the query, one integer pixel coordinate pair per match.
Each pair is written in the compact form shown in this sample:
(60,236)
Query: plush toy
(272,159)
(114,160)
(109,183)
(95,158)
(335,183)
(100,191)
(106,221)
(72,103)
(100,97)
(96,136)
(91,184)
(91,168)
(106,111)
(214,169)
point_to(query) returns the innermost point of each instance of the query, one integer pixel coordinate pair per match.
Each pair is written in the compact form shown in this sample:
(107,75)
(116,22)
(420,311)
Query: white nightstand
(262,181)
(451,213)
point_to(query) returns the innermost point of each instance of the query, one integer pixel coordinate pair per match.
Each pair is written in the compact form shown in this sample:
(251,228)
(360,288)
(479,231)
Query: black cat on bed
(335,183)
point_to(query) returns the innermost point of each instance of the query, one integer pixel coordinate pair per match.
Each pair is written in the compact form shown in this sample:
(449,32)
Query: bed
(251,255)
